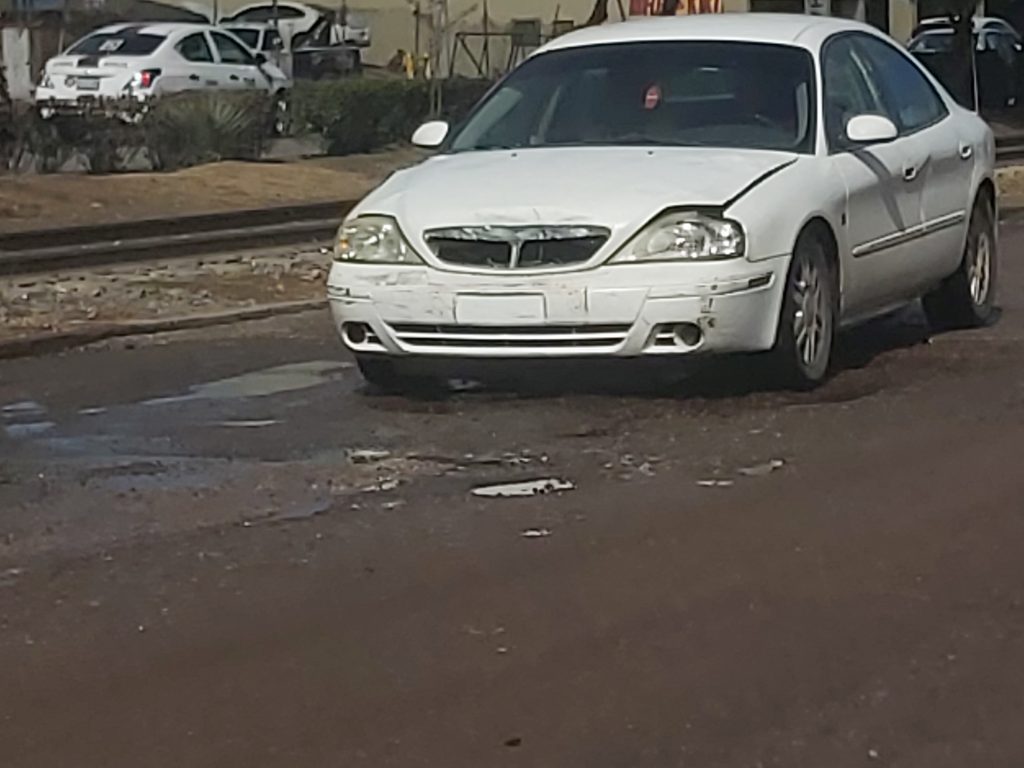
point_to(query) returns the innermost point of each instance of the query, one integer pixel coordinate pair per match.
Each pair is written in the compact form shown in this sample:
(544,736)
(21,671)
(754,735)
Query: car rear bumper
(65,100)
(614,311)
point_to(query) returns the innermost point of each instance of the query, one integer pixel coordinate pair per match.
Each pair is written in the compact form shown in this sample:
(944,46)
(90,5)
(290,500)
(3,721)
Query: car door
(884,187)
(239,68)
(947,176)
(194,67)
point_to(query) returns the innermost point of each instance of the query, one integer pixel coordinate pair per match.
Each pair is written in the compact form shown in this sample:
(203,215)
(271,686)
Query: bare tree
(963,81)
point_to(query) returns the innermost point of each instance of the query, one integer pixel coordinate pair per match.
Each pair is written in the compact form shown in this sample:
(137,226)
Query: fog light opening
(688,334)
(355,333)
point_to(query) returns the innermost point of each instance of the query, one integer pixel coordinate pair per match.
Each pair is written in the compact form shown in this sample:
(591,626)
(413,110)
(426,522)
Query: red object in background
(682,7)
(653,97)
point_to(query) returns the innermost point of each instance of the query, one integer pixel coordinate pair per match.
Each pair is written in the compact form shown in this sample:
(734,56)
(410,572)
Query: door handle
(234,77)
(194,78)
(966,151)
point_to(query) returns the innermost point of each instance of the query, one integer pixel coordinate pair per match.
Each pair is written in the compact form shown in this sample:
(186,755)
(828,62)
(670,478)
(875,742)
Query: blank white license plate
(88,83)
(499,309)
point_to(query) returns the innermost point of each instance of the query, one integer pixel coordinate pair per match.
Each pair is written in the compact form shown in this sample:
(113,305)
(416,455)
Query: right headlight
(373,240)
(685,236)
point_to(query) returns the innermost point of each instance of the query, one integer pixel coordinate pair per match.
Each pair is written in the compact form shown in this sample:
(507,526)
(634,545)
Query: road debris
(536,533)
(368,455)
(524,488)
(292,514)
(712,483)
(8,577)
(761,470)
(382,486)
(249,423)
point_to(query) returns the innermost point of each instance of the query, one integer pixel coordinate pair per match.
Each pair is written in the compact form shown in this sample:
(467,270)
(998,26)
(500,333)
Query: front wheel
(803,346)
(966,299)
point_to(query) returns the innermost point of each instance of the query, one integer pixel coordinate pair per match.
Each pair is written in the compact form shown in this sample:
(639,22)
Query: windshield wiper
(637,140)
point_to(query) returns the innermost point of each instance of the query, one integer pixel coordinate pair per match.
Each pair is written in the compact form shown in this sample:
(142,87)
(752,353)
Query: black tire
(967,298)
(802,356)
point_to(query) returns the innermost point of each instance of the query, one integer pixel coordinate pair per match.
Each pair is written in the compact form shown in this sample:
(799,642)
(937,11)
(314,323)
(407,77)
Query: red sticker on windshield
(653,97)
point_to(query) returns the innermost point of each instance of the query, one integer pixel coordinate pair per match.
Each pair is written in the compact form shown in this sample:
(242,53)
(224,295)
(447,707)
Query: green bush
(362,115)
(202,127)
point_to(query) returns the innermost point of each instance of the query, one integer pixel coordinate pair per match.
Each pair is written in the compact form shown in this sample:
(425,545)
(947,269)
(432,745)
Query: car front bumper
(627,310)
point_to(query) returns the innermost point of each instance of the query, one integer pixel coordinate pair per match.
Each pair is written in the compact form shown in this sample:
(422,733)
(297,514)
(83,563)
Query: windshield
(251,37)
(124,43)
(694,93)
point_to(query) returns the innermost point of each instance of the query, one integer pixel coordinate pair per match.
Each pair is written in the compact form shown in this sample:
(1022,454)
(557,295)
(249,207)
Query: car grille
(516,247)
(532,337)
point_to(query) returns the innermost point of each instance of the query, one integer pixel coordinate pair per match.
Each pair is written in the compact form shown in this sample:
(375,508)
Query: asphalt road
(217,550)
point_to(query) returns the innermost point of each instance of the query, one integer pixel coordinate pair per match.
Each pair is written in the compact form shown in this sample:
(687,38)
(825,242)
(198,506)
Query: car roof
(163,29)
(258,25)
(801,30)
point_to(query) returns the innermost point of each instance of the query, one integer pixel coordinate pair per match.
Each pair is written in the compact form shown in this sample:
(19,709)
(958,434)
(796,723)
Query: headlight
(685,236)
(373,240)
(45,81)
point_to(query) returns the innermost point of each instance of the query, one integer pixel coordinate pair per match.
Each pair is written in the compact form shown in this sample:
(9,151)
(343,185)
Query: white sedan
(142,61)
(677,187)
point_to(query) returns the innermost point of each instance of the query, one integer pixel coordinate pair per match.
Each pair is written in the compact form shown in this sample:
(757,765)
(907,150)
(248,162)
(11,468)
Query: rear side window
(195,48)
(124,43)
(250,37)
(231,52)
(910,100)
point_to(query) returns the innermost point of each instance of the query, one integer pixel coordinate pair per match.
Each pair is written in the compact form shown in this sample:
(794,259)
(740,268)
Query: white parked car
(677,187)
(297,21)
(258,37)
(991,24)
(143,61)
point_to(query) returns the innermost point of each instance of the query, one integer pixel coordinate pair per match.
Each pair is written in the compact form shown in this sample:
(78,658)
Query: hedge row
(353,115)
(177,131)
(361,115)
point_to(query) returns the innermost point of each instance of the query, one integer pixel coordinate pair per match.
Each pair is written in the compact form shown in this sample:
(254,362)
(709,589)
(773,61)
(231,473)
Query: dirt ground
(62,301)
(40,201)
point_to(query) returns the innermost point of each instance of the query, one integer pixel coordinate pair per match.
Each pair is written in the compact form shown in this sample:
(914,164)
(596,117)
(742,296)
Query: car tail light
(147,77)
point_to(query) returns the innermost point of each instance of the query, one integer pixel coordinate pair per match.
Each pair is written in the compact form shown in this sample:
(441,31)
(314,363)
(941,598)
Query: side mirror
(261,59)
(871,129)
(431,135)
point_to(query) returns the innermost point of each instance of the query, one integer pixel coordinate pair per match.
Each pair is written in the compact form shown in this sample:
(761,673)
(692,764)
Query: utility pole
(438,34)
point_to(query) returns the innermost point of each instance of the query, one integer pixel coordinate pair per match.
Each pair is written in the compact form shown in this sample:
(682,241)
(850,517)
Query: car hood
(618,188)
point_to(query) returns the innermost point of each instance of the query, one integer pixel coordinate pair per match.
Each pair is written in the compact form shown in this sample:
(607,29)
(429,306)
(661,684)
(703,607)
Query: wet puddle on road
(269,381)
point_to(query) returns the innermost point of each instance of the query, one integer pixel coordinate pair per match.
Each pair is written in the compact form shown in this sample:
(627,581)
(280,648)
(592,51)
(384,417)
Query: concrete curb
(58,341)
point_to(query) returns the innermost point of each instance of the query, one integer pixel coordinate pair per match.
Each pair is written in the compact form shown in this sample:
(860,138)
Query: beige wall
(394,27)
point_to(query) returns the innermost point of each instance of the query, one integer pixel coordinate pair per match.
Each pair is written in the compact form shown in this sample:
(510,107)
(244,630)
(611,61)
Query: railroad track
(147,240)
(120,243)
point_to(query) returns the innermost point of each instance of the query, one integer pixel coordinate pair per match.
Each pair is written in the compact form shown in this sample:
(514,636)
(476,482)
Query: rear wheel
(803,346)
(966,299)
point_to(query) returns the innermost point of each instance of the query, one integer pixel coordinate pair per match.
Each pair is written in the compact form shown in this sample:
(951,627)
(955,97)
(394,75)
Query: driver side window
(846,92)
(912,102)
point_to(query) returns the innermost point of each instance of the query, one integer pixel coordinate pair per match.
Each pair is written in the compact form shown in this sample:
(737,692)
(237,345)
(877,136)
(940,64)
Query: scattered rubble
(761,470)
(524,488)
(536,533)
(368,455)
